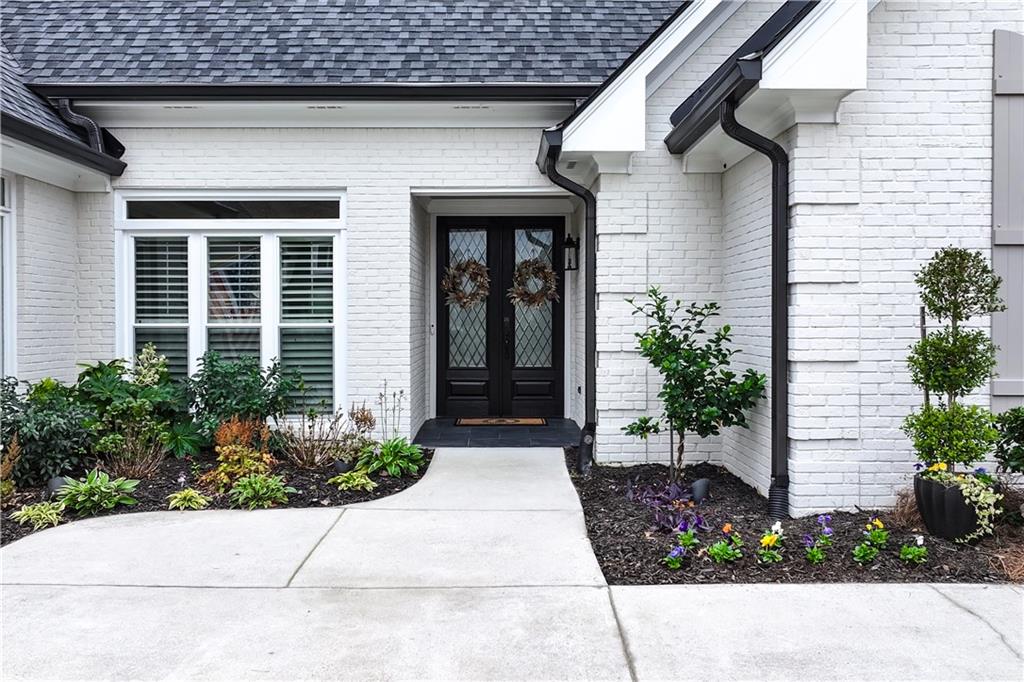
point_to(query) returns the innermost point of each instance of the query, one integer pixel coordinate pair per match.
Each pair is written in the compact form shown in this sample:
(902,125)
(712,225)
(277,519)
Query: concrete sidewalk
(480,571)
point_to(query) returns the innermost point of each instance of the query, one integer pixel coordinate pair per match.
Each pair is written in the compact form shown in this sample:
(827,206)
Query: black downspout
(778,491)
(586,448)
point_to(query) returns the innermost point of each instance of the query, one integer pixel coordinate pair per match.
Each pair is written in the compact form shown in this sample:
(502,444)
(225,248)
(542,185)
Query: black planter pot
(341,466)
(945,512)
(54,485)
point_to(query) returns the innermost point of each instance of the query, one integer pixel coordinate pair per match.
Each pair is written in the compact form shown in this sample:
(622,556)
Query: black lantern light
(572,254)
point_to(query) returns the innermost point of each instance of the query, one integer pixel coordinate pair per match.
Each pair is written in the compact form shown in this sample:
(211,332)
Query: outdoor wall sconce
(572,254)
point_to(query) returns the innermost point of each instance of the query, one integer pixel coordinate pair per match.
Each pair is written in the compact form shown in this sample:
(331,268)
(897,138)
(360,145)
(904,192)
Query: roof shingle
(327,42)
(18,101)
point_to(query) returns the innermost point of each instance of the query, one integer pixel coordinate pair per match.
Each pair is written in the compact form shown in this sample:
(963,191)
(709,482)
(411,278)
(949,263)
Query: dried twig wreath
(522,291)
(466,283)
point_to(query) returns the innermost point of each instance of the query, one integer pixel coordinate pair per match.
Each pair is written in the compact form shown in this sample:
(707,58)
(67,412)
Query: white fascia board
(828,50)
(324,114)
(21,158)
(615,121)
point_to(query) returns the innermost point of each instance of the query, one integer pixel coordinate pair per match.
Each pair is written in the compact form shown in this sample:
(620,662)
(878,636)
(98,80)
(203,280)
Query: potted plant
(949,363)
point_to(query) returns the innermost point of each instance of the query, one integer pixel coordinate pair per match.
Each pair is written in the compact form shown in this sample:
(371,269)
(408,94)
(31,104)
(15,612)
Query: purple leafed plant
(668,505)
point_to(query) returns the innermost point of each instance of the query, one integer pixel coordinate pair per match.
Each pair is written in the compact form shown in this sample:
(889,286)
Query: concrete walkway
(480,571)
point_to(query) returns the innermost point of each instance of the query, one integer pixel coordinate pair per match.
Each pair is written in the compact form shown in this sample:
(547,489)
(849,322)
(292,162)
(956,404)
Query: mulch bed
(630,553)
(175,474)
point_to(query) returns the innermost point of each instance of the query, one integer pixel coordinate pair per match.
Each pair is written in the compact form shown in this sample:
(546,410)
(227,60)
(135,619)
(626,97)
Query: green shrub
(699,393)
(11,407)
(955,434)
(353,480)
(259,491)
(396,456)
(222,389)
(40,515)
(1010,447)
(53,434)
(956,285)
(914,554)
(96,492)
(727,550)
(865,553)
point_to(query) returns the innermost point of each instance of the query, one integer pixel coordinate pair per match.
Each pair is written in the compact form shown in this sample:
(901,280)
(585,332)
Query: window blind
(161,279)
(311,352)
(307,267)
(171,342)
(234,266)
(234,343)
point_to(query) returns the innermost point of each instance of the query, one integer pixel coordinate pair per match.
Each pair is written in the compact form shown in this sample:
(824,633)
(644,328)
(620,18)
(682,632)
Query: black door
(496,357)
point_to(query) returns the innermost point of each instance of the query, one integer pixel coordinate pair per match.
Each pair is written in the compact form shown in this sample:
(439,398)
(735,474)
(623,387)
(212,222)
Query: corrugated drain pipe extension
(554,147)
(71,117)
(778,491)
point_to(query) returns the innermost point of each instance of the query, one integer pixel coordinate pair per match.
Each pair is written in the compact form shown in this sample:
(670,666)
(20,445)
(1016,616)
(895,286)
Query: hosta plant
(353,480)
(97,492)
(40,515)
(396,456)
(259,491)
(188,498)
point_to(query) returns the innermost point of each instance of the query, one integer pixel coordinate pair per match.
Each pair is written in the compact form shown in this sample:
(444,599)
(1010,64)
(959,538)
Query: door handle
(508,336)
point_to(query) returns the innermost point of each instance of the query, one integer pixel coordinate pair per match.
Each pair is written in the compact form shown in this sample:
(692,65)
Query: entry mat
(501,421)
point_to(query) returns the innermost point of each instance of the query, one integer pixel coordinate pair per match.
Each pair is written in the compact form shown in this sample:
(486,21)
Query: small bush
(53,434)
(188,498)
(224,389)
(242,448)
(396,456)
(315,440)
(96,492)
(40,515)
(904,513)
(259,491)
(954,434)
(1010,447)
(353,480)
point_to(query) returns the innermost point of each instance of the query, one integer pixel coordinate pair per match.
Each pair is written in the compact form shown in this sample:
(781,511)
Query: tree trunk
(680,451)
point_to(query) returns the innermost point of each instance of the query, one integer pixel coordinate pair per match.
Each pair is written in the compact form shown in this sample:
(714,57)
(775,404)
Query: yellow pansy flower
(769,540)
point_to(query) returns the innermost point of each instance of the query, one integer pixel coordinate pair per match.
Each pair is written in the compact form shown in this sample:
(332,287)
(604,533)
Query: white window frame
(8,265)
(269,231)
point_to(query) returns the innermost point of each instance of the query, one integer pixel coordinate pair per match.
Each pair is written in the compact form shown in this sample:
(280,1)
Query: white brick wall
(386,237)
(47,299)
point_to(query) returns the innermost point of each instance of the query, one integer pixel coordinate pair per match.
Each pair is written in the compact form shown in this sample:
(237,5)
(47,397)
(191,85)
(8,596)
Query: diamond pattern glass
(533,327)
(467,328)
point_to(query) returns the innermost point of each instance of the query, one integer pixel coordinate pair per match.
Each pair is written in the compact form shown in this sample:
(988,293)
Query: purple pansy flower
(677,552)
(808,540)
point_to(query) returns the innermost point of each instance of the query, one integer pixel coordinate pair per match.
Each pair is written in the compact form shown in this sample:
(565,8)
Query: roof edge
(369,91)
(46,140)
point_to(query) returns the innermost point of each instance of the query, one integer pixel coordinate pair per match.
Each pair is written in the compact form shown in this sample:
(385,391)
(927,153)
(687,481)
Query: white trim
(197,233)
(616,119)
(24,159)
(431,363)
(8,263)
(325,114)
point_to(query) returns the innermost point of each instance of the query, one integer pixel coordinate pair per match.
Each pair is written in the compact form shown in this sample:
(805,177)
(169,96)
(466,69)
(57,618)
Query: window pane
(161,279)
(171,342)
(234,210)
(307,267)
(311,351)
(234,343)
(234,279)
(467,327)
(534,324)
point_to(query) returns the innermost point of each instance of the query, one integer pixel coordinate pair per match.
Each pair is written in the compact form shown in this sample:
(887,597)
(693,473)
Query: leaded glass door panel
(498,356)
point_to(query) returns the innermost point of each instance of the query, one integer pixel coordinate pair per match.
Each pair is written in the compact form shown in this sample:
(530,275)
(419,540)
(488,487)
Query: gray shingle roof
(327,41)
(18,101)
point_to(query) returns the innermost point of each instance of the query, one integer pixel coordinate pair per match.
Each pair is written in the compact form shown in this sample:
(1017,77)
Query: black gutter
(46,140)
(395,91)
(715,102)
(547,161)
(77,120)
(735,78)
(778,491)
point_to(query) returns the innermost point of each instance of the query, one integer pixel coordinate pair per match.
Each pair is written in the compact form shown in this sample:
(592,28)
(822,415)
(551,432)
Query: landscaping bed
(312,490)
(630,551)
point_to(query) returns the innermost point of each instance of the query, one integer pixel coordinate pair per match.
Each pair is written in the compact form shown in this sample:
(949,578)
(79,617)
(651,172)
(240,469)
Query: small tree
(950,362)
(699,392)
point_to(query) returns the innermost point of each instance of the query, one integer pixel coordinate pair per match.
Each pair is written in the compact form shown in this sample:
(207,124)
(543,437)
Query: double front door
(500,354)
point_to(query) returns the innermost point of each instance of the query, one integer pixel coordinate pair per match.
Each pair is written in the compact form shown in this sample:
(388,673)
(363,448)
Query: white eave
(22,158)
(613,125)
(804,79)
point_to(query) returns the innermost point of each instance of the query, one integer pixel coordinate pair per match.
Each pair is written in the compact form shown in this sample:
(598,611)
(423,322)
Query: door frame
(500,221)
